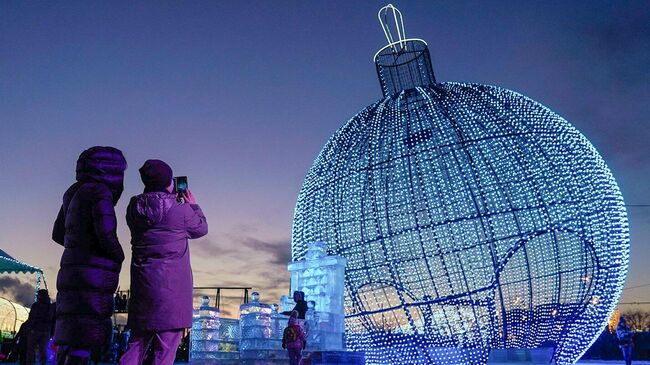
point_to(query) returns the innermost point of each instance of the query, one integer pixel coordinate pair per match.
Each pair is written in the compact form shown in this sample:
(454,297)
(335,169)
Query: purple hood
(148,209)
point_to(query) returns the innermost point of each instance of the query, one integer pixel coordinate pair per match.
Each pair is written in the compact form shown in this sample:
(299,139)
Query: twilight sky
(241,95)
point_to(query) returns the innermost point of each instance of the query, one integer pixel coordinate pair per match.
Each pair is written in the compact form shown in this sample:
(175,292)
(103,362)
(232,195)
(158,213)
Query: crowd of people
(121,302)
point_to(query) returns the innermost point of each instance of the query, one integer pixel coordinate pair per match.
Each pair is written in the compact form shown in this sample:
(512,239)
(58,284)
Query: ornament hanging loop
(385,15)
(404,63)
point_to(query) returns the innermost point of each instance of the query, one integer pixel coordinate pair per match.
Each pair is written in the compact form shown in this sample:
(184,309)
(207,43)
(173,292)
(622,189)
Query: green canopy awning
(9,264)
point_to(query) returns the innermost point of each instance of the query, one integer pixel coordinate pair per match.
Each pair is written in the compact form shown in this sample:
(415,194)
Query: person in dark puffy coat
(301,304)
(92,258)
(19,348)
(41,319)
(160,306)
(625,337)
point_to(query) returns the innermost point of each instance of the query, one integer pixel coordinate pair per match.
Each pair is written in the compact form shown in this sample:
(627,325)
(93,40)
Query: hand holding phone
(189,197)
(180,184)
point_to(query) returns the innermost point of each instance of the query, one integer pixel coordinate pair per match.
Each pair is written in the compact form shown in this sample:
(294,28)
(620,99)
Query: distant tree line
(606,346)
(638,320)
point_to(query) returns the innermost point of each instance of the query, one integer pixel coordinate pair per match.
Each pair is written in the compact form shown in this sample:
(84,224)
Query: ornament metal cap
(404,63)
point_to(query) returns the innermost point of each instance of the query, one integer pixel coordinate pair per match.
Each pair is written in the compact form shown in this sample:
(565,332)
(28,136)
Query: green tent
(9,264)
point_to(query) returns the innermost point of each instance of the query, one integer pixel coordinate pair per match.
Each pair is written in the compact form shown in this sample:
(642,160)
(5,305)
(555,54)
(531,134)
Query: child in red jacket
(293,339)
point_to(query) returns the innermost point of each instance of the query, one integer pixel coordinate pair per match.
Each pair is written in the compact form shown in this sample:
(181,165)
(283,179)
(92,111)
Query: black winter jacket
(41,315)
(92,258)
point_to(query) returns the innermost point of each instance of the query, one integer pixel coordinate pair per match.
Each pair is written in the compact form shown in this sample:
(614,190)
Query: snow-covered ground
(583,362)
(601,362)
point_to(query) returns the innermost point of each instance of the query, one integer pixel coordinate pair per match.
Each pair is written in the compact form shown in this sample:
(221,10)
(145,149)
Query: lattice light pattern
(471,217)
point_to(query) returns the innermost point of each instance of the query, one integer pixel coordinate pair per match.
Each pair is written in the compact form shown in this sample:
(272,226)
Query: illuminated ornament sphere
(471,217)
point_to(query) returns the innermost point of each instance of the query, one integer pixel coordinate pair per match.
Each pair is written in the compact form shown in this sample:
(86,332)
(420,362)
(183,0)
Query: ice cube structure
(321,278)
(208,342)
(261,333)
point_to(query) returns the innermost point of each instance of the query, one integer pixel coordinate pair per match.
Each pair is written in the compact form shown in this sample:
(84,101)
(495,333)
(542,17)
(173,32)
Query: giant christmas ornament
(471,218)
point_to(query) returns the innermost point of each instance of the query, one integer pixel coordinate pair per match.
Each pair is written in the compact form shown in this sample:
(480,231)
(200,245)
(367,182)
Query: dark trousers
(295,355)
(164,345)
(37,342)
(627,354)
(72,355)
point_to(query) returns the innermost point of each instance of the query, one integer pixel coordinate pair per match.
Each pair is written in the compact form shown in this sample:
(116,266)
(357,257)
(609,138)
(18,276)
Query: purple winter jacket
(299,342)
(161,275)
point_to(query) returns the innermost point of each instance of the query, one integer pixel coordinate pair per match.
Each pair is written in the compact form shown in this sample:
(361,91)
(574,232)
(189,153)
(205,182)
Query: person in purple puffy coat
(92,257)
(160,306)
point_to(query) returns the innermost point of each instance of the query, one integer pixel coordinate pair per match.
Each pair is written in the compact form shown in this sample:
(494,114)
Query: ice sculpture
(321,278)
(260,325)
(278,323)
(204,336)
(287,303)
(213,340)
(313,332)
(471,217)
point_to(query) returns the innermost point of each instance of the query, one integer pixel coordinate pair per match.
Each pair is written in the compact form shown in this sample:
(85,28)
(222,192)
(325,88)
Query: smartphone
(180,184)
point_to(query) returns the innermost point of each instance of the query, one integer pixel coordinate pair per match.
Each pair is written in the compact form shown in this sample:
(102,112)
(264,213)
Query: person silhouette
(92,257)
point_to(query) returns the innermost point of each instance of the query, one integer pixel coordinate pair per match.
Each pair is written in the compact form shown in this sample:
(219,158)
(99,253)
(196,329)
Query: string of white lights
(471,218)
